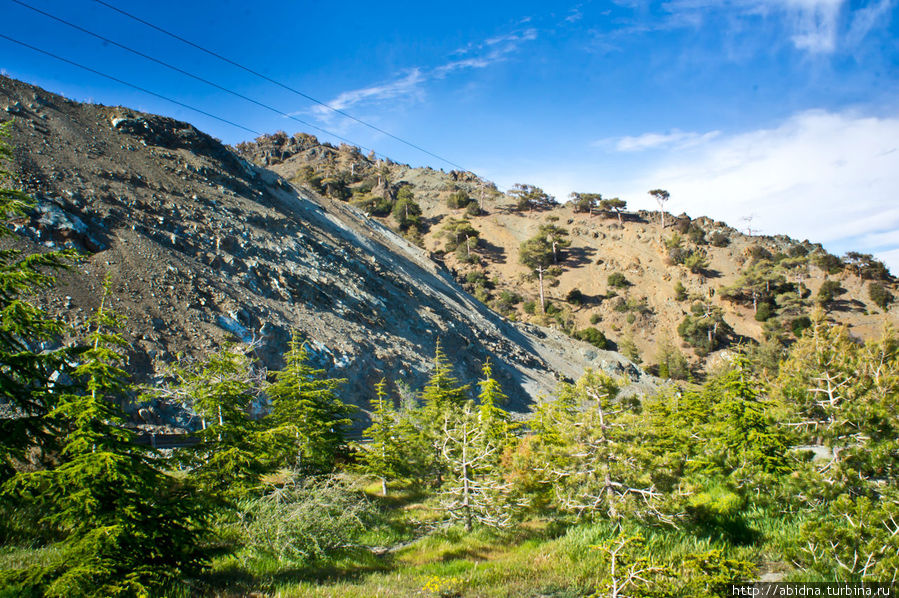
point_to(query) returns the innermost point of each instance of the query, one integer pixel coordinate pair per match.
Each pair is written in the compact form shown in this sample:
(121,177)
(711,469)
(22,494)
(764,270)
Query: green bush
(529,307)
(575,297)
(680,292)
(828,262)
(719,239)
(458,199)
(593,336)
(799,324)
(477,278)
(879,295)
(473,208)
(763,312)
(595,318)
(828,291)
(617,280)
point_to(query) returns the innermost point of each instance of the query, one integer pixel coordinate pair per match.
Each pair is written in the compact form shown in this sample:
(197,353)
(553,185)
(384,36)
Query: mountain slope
(648,307)
(201,245)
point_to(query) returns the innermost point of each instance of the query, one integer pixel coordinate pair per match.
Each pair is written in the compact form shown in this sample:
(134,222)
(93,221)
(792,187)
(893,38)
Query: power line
(278,83)
(132,85)
(186,73)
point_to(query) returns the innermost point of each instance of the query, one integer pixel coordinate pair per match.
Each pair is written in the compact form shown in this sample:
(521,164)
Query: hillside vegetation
(616,271)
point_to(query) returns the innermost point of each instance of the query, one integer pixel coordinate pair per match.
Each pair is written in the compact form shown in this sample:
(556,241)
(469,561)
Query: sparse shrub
(697,235)
(879,295)
(593,336)
(759,253)
(551,309)
(696,262)
(628,348)
(575,297)
(529,307)
(719,239)
(828,291)
(763,312)
(595,318)
(680,292)
(458,199)
(631,318)
(473,208)
(305,520)
(477,278)
(617,280)
(672,363)
(828,262)
(799,324)
(506,301)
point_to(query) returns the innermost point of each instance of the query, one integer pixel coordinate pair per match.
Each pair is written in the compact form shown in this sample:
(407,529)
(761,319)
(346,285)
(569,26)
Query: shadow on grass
(235,579)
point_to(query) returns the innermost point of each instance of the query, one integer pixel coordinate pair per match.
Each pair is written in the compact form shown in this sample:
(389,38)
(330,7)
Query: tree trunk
(466,502)
(542,298)
(619,217)
(383,486)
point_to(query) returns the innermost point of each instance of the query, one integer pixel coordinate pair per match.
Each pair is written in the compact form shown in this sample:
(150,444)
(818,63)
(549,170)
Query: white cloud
(404,86)
(814,23)
(865,19)
(828,177)
(411,84)
(647,141)
(813,26)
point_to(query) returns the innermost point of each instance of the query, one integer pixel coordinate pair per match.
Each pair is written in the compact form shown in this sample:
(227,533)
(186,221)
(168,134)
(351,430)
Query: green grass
(410,553)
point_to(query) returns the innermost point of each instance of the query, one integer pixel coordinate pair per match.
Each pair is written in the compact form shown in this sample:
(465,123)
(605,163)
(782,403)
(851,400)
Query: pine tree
(231,454)
(379,460)
(443,391)
(128,528)
(307,412)
(491,416)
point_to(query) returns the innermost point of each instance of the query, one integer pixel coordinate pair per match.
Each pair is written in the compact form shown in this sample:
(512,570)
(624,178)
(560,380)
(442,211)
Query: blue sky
(782,111)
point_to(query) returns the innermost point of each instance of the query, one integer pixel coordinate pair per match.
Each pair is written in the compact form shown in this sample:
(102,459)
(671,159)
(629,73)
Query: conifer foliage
(128,529)
(307,413)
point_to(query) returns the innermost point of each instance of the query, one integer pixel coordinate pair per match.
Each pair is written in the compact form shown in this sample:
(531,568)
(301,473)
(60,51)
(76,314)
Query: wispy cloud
(815,27)
(411,83)
(648,141)
(406,85)
(814,23)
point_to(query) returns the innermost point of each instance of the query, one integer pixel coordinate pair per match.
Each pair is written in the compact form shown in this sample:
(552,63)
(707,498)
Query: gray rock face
(203,246)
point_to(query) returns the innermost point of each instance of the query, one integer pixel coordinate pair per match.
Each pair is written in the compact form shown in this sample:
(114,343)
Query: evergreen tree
(380,458)
(586,452)
(128,529)
(231,454)
(443,391)
(25,372)
(493,418)
(307,412)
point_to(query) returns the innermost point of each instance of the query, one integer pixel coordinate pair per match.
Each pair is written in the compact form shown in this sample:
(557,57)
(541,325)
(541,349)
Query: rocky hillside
(630,279)
(203,245)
